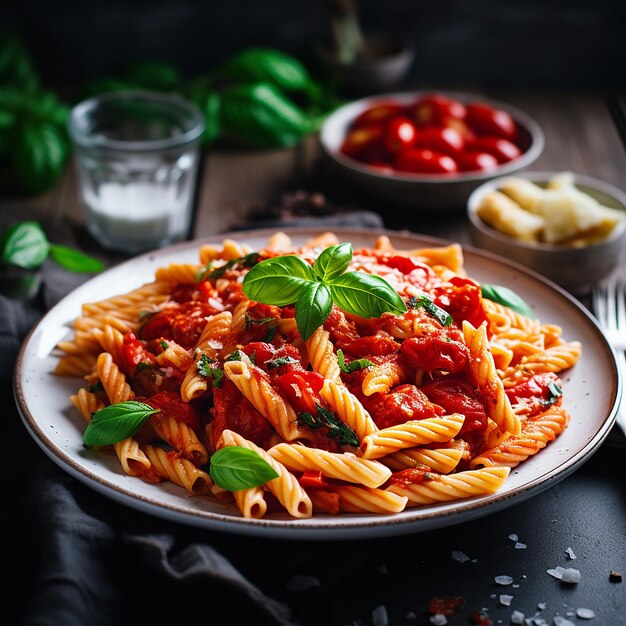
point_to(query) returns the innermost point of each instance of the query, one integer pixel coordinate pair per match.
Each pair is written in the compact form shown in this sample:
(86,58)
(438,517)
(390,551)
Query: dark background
(491,43)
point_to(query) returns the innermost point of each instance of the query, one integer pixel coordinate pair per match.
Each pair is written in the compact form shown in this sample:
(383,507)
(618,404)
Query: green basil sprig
(288,279)
(207,370)
(337,429)
(507,297)
(437,312)
(116,422)
(234,468)
(25,245)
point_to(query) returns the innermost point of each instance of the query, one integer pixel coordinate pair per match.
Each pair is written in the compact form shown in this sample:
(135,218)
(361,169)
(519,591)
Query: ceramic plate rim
(330,528)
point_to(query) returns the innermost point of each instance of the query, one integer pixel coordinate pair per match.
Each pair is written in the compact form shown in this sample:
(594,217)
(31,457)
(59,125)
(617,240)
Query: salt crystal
(513,537)
(493,595)
(503,580)
(515,586)
(461,557)
(520,546)
(298,582)
(570,554)
(557,572)
(542,606)
(571,575)
(438,619)
(585,613)
(561,621)
(382,569)
(505,600)
(524,576)
(410,615)
(380,616)
(517,617)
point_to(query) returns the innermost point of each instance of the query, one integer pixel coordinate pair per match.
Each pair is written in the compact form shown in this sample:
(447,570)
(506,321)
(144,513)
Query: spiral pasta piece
(382,377)
(322,355)
(113,381)
(181,273)
(410,434)
(348,408)
(170,466)
(536,434)
(342,466)
(354,499)
(180,436)
(490,387)
(87,403)
(251,502)
(442,460)
(444,488)
(285,487)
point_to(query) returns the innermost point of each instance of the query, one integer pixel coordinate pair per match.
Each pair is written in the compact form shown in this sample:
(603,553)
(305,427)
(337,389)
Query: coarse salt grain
(571,575)
(382,569)
(557,572)
(520,546)
(299,582)
(505,600)
(438,619)
(380,616)
(459,556)
(542,606)
(517,617)
(513,537)
(503,580)
(570,554)
(410,616)
(561,621)
(515,586)
(585,613)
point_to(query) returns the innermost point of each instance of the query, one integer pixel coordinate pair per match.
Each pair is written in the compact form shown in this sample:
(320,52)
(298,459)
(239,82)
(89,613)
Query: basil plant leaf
(116,422)
(365,295)
(278,281)
(507,297)
(234,468)
(25,245)
(73,260)
(333,261)
(267,65)
(312,308)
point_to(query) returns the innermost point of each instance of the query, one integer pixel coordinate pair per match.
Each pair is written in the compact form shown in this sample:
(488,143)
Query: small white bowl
(573,268)
(442,192)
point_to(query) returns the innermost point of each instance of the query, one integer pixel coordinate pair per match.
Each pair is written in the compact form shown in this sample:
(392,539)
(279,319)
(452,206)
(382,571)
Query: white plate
(590,391)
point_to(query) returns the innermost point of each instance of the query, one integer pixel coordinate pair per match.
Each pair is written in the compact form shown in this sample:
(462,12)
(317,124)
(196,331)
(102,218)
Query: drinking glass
(137,157)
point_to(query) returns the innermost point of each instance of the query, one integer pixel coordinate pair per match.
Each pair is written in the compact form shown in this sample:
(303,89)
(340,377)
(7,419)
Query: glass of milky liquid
(137,159)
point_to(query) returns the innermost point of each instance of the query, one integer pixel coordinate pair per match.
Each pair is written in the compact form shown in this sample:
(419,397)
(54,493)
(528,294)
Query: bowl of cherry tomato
(429,149)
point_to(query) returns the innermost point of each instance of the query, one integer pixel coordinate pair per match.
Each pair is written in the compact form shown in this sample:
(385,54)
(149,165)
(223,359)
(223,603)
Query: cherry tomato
(474,161)
(438,110)
(502,149)
(421,161)
(485,120)
(447,140)
(378,113)
(360,141)
(399,135)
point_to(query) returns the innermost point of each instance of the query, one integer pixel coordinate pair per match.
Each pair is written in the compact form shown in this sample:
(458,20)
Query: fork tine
(620,298)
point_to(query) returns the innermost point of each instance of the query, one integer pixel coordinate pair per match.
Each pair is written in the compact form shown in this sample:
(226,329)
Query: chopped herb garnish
(205,369)
(245,261)
(142,365)
(146,315)
(336,428)
(554,393)
(280,361)
(353,366)
(96,387)
(250,321)
(271,332)
(234,356)
(203,271)
(164,345)
(437,312)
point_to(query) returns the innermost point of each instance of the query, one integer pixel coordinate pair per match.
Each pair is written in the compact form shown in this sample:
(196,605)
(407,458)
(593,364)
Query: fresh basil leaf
(206,370)
(246,261)
(73,260)
(336,428)
(212,126)
(267,65)
(507,297)
(260,115)
(234,356)
(235,468)
(444,318)
(353,366)
(554,393)
(365,295)
(313,306)
(25,245)
(333,261)
(278,281)
(116,422)
(39,157)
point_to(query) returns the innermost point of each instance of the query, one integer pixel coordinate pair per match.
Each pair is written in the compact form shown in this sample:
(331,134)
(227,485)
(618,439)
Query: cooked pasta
(358,416)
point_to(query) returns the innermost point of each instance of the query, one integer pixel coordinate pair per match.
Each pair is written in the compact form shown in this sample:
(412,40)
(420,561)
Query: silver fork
(609,305)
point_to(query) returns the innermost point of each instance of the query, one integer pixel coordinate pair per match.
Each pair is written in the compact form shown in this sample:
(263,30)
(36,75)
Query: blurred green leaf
(16,68)
(153,75)
(73,260)
(24,245)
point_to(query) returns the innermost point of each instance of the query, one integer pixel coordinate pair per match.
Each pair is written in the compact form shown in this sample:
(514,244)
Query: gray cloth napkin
(104,564)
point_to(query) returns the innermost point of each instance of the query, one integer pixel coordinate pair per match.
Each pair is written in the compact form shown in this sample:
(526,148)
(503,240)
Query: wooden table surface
(580,137)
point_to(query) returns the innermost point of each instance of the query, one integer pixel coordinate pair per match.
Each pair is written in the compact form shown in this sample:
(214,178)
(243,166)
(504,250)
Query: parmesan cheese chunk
(501,213)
